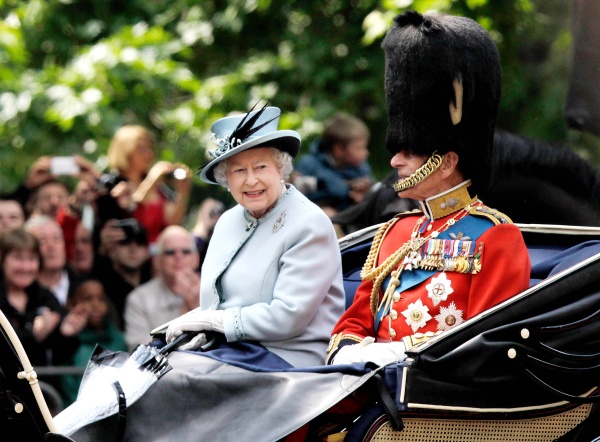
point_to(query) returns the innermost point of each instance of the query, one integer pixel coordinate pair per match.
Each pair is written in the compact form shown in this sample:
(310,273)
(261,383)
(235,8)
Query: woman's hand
(44,324)
(123,193)
(183,178)
(196,320)
(155,174)
(74,322)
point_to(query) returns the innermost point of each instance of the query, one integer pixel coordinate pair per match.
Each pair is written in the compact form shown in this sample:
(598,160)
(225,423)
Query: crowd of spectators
(76,241)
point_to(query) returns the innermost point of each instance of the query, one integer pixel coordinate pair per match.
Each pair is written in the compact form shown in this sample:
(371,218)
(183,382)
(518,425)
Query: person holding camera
(44,192)
(156,194)
(123,261)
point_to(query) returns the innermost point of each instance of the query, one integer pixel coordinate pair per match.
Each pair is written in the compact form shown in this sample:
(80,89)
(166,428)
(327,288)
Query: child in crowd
(335,173)
(100,330)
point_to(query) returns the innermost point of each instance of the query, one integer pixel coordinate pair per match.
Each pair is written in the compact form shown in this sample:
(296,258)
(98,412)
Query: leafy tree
(74,71)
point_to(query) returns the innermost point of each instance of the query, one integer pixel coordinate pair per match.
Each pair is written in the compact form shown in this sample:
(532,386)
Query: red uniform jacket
(446,298)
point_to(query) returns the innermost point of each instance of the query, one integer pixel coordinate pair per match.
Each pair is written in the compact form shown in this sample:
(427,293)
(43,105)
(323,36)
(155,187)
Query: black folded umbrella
(113,381)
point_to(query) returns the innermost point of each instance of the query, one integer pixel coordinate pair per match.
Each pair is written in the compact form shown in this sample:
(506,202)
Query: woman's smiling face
(255,180)
(21,268)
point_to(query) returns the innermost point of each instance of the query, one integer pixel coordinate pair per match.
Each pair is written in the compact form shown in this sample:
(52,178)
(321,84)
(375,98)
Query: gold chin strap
(430,166)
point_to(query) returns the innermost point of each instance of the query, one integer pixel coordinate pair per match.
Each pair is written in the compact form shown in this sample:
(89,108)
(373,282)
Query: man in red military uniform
(429,270)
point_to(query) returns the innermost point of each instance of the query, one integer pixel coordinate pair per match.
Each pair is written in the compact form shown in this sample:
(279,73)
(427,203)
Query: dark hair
(18,239)
(80,282)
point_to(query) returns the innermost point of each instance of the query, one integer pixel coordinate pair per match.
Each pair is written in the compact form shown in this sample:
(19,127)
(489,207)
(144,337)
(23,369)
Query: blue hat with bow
(238,133)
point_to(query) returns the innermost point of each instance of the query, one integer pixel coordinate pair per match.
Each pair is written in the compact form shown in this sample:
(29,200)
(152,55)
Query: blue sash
(474,225)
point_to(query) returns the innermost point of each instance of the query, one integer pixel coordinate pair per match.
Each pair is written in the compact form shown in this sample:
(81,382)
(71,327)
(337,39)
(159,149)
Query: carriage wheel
(367,425)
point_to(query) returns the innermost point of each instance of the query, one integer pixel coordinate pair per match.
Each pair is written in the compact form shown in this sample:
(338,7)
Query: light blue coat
(278,278)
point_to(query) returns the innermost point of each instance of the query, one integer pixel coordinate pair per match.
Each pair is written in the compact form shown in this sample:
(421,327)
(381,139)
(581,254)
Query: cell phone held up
(64,166)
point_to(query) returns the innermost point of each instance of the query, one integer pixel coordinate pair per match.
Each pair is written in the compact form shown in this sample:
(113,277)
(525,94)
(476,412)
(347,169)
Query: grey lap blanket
(206,399)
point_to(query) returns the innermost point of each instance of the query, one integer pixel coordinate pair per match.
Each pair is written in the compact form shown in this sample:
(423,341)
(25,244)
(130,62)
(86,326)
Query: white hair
(283,160)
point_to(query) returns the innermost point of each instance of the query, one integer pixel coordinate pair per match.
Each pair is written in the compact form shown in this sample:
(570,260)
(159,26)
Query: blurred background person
(99,330)
(49,198)
(143,189)
(175,289)
(11,214)
(124,262)
(54,274)
(337,163)
(82,258)
(47,333)
(44,169)
(209,213)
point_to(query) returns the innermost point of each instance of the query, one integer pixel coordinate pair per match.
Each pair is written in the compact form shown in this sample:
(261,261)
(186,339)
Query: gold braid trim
(377,274)
(412,341)
(430,166)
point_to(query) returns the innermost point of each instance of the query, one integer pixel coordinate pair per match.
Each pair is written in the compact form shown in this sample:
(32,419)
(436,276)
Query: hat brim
(284,140)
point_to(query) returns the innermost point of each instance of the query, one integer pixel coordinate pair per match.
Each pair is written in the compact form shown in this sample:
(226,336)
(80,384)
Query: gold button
(394,315)
(392,333)
(396,297)
(416,315)
(395,281)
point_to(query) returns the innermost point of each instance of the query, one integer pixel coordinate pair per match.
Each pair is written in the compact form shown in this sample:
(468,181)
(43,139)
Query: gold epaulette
(493,215)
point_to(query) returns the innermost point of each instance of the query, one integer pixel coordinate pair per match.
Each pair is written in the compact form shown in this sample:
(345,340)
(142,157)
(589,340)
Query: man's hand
(381,353)
(187,285)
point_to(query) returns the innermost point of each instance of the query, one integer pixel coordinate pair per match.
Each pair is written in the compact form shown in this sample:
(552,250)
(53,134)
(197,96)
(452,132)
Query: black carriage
(526,370)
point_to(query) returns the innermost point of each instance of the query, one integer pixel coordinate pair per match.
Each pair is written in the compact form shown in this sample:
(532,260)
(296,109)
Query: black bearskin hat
(433,62)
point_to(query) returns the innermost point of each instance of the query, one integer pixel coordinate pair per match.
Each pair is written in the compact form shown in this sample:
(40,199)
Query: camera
(178,174)
(133,231)
(108,181)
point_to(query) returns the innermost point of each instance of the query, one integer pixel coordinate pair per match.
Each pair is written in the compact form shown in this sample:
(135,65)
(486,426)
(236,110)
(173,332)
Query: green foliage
(73,71)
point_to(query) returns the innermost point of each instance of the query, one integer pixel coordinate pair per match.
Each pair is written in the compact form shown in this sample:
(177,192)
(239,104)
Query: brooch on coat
(279,222)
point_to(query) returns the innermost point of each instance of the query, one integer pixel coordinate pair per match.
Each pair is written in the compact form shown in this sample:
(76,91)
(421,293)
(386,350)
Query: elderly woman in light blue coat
(271,287)
(272,273)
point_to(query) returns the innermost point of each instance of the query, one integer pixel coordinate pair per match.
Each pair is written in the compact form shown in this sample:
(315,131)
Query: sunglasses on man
(173,252)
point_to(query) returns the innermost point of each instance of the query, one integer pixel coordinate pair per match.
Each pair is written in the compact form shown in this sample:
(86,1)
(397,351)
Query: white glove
(381,353)
(196,320)
(195,343)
